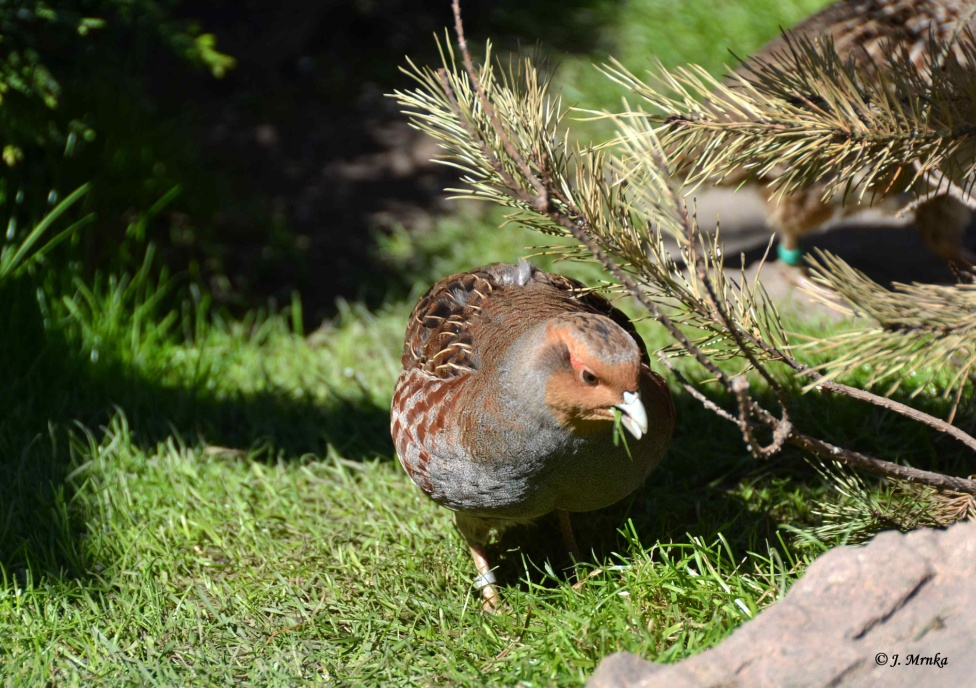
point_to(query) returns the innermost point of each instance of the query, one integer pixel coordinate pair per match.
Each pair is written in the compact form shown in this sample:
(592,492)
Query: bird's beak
(634,416)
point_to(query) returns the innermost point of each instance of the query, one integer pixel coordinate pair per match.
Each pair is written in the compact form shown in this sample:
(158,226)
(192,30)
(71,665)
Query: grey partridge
(863,31)
(505,409)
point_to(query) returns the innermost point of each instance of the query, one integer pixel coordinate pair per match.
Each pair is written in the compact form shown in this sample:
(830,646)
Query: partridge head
(507,406)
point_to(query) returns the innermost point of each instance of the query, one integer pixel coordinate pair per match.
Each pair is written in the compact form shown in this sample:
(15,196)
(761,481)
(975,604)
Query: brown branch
(955,403)
(696,393)
(740,388)
(719,313)
(785,433)
(539,203)
(733,330)
(826,385)
(510,184)
(782,427)
(783,430)
(880,467)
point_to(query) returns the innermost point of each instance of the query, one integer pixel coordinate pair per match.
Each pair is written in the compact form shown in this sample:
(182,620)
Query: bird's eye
(589,378)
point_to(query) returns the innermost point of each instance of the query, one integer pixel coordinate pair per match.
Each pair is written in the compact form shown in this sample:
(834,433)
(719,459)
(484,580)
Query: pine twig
(696,393)
(539,201)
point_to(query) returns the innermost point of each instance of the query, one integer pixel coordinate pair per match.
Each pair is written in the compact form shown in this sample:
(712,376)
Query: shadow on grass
(46,388)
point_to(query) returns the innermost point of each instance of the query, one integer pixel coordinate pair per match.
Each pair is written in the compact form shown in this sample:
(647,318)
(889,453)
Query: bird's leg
(569,539)
(486,578)
(794,216)
(476,531)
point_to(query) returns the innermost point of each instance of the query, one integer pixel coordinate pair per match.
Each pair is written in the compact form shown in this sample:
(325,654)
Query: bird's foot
(792,266)
(490,599)
(485,580)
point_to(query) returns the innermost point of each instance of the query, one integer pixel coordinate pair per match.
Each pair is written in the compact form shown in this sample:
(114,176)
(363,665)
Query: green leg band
(790,256)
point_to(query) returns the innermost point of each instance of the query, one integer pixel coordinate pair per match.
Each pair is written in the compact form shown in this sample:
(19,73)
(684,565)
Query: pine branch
(855,513)
(806,118)
(920,327)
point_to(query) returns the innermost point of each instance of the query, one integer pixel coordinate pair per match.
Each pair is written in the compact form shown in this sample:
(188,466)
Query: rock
(896,612)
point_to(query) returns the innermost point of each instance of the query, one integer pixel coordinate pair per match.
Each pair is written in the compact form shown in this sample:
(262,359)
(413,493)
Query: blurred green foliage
(76,108)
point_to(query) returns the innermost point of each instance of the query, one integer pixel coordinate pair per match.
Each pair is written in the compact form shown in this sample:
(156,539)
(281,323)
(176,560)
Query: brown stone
(895,612)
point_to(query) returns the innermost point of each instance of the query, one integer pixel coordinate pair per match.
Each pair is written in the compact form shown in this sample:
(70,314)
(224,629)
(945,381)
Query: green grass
(217,502)
(192,500)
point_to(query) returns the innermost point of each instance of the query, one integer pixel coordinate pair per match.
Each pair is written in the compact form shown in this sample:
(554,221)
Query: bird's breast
(484,456)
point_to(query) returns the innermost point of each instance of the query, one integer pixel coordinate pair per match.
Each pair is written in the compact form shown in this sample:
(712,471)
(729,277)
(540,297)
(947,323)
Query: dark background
(293,162)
